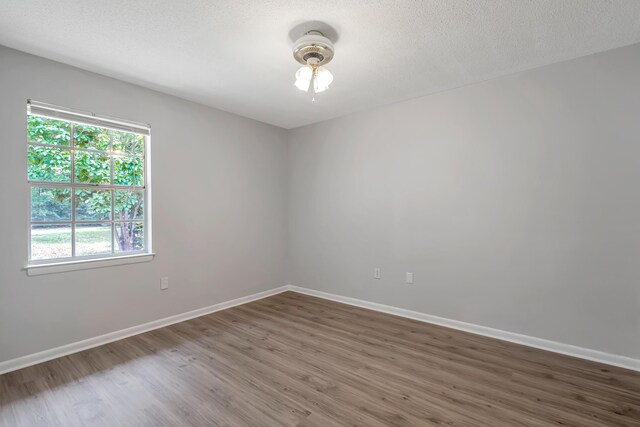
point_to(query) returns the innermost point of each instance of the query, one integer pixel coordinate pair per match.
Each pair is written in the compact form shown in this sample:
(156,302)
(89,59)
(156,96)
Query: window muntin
(87,178)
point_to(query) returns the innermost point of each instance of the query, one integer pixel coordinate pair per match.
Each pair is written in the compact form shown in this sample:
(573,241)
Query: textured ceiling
(236,54)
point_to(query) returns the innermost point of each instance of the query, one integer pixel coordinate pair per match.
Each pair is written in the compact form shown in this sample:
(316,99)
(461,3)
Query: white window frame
(36,267)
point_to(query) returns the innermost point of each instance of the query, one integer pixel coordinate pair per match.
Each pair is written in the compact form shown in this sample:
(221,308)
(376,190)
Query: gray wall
(515,202)
(219,211)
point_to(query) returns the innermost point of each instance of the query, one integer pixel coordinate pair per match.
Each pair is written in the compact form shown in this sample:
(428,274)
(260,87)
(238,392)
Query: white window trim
(58,265)
(86,264)
(85,117)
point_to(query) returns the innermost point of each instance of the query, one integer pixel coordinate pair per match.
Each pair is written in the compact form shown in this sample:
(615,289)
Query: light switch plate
(409,278)
(164,283)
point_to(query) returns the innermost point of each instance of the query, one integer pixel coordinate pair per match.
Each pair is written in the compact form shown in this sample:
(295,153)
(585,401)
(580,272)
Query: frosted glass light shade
(323,80)
(303,78)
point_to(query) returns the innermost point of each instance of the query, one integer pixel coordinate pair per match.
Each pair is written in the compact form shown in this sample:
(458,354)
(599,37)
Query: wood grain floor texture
(296,360)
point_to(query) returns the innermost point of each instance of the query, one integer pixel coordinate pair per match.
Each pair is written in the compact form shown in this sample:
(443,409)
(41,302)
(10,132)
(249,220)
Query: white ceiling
(236,54)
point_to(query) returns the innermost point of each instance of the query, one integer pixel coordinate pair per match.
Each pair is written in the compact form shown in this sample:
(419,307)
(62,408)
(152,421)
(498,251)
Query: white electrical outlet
(376,273)
(164,283)
(409,278)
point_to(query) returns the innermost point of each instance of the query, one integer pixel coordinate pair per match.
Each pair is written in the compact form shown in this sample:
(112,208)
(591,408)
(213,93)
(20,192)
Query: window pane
(91,137)
(92,168)
(48,131)
(50,204)
(49,164)
(129,236)
(50,241)
(93,205)
(128,205)
(93,239)
(130,143)
(127,171)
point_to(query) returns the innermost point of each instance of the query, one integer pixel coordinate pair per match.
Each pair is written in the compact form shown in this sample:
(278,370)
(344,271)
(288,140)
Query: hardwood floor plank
(472,397)
(300,361)
(361,357)
(558,401)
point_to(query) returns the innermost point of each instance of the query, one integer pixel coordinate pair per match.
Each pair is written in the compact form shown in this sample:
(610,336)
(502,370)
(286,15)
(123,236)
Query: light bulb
(303,78)
(322,80)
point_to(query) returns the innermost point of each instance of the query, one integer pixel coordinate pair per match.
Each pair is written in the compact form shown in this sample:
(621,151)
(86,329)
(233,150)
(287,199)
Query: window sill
(60,267)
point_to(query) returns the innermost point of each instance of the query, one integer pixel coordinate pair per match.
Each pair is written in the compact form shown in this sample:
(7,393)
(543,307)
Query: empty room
(319,213)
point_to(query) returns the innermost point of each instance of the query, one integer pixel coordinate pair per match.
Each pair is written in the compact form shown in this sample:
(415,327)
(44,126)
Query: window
(88,186)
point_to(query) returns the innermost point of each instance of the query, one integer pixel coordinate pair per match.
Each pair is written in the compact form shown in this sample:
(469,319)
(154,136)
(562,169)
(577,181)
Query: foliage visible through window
(87,190)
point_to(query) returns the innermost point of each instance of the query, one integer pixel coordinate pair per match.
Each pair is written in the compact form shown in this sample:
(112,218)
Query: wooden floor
(295,360)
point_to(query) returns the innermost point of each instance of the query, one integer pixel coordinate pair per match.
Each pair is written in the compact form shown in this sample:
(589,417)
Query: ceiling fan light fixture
(313,50)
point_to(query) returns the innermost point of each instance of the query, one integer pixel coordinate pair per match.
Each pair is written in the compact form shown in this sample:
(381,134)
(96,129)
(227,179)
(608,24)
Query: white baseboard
(54,353)
(557,347)
(571,350)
